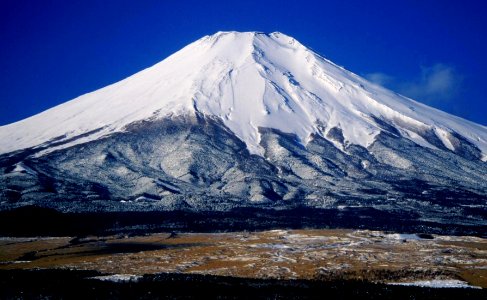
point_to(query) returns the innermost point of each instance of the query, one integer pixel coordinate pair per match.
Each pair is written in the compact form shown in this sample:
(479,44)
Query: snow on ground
(403,236)
(21,167)
(118,277)
(437,283)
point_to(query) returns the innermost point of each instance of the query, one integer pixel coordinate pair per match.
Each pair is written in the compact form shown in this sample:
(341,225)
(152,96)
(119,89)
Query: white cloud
(434,84)
(437,83)
(380,78)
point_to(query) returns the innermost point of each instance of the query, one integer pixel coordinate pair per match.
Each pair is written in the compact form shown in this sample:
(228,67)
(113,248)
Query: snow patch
(393,159)
(22,168)
(403,236)
(118,278)
(444,137)
(438,283)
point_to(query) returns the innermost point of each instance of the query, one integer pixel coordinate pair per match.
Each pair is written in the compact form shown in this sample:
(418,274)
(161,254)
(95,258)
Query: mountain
(247,120)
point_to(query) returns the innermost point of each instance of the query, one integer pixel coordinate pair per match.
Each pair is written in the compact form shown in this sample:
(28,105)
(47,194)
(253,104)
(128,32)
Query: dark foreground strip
(38,221)
(65,284)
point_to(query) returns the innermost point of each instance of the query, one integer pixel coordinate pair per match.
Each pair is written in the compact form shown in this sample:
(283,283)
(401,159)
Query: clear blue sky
(53,51)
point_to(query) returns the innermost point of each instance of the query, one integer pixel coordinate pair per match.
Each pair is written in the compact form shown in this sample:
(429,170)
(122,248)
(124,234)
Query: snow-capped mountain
(237,119)
(248,80)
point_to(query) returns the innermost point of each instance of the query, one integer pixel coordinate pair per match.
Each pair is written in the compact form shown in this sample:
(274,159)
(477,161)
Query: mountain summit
(248,80)
(243,120)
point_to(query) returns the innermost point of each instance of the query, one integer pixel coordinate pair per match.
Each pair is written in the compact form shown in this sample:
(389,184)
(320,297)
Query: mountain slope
(247,120)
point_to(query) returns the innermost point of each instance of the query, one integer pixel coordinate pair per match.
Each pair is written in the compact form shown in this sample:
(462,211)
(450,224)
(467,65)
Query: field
(323,255)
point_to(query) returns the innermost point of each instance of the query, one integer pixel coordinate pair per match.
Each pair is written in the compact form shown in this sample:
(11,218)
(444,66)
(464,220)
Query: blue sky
(53,51)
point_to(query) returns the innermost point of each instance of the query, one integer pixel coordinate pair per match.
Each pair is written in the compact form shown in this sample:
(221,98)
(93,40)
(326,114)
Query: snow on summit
(248,80)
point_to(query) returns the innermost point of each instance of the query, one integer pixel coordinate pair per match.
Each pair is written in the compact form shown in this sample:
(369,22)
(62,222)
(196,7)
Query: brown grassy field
(295,254)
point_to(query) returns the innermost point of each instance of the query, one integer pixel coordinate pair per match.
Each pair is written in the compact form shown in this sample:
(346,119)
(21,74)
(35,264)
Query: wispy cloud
(380,78)
(437,83)
(434,84)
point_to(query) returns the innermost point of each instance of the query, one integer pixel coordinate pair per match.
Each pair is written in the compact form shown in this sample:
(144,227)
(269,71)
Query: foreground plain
(324,255)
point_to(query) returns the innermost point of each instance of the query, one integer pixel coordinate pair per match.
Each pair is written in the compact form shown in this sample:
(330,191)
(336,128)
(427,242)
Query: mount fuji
(247,119)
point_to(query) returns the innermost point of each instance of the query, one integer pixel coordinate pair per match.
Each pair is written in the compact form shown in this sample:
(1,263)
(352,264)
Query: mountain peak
(252,37)
(248,80)
(275,34)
